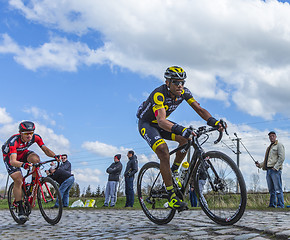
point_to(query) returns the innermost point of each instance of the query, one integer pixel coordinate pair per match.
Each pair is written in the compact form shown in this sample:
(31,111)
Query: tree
(75,190)
(255,180)
(78,191)
(88,192)
(98,192)
(72,191)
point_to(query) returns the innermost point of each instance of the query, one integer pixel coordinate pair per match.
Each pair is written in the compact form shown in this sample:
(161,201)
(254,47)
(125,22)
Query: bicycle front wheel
(221,188)
(13,208)
(152,194)
(49,201)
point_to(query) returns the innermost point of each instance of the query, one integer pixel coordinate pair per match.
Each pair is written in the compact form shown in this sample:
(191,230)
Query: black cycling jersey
(160,98)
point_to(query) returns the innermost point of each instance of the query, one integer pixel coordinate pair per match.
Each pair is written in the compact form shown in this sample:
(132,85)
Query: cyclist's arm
(162,121)
(13,160)
(47,151)
(204,114)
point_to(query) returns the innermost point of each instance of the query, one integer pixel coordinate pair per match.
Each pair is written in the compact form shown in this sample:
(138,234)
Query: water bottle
(183,170)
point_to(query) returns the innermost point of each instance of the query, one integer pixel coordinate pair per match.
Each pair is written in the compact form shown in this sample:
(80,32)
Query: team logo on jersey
(143,130)
(158,98)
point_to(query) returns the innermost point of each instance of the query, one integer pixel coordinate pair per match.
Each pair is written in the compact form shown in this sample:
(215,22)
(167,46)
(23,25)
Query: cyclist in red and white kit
(16,155)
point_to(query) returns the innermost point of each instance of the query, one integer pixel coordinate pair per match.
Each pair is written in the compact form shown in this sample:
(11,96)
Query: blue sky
(81,69)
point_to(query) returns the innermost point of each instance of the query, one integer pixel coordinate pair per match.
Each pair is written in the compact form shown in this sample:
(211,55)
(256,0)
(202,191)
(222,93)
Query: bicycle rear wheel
(152,194)
(221,188)
(13,208)
(47,195)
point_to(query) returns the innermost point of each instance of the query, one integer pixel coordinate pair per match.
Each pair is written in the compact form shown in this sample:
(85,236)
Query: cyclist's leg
(152,134)
(17,190)
(31,157)
(164,157)
(16,175)
(179,156)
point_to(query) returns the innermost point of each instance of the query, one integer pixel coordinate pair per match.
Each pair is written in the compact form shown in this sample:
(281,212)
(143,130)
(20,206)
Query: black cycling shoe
(22,216)
(176,203)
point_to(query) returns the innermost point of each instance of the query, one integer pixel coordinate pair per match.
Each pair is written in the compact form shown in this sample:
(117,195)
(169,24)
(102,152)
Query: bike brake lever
(224,125)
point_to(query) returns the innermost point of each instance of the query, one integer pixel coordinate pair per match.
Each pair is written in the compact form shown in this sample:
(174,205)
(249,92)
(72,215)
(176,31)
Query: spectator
(273,162)
(66,165)
(65,181)
(201,182)
(131,169)
(192,195)
(114,171)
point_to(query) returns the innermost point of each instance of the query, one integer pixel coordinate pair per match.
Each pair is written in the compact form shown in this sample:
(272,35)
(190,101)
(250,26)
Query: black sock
(175,167)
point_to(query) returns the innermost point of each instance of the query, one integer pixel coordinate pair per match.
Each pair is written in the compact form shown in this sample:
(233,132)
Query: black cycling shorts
(11,169)
(153,134)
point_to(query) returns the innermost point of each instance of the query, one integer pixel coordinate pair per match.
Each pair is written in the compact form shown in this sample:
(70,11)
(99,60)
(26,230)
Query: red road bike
(44,189)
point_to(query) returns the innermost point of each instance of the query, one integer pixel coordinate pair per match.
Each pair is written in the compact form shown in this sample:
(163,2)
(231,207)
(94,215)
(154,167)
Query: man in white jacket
(274,158)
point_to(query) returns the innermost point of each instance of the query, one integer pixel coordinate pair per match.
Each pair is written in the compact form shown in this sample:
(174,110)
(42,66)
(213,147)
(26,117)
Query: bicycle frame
(36,184)
(198,154)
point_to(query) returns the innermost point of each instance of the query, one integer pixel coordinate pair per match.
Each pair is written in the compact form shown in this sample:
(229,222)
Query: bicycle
(44,189)
(218,182)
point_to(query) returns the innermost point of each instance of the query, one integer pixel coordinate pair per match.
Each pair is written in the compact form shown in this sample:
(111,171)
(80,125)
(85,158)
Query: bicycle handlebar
(204,130)
(42,163)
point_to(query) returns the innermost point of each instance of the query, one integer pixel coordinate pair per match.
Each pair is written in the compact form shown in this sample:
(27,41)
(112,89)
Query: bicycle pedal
(183,209)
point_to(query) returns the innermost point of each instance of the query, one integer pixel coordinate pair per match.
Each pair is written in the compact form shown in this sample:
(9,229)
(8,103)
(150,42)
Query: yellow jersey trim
(190,101)
(157,143)
(157,107)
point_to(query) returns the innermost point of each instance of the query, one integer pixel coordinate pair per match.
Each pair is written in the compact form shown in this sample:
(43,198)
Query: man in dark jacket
(114,171)
(65,181)
(66,165)
(131,169)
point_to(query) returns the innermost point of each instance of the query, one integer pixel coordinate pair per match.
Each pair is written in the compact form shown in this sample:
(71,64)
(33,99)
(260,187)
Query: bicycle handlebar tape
(25,165)
(212,122)
(177,129)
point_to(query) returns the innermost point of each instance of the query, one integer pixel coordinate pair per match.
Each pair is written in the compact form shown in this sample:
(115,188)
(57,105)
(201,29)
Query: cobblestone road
(133,224)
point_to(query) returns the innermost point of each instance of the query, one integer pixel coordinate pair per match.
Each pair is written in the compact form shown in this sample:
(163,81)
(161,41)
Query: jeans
(129,191)
(111,193)
(64,191)
(274,182)
(193,198)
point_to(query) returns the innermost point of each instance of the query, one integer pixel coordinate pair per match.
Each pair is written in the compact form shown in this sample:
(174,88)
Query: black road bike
(218,182)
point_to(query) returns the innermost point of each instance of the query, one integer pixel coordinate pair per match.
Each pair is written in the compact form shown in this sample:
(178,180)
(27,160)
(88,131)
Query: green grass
(257,201)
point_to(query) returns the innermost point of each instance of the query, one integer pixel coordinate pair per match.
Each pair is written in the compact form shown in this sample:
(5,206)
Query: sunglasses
(178,83)
(28,133)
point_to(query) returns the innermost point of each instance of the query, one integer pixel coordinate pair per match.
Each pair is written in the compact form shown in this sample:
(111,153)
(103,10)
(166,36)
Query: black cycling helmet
(175,72)
(26,126)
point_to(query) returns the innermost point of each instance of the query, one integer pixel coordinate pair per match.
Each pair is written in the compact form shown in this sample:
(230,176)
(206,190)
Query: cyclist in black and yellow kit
(154,126)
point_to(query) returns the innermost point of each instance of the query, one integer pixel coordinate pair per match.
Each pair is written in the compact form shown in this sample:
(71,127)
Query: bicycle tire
(47,196)
(224,201)
(152,194)
(14,209)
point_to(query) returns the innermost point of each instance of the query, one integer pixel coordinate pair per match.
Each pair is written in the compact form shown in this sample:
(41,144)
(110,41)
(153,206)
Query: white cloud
(104,149)
(40,114)
(57,143)
(88,176)
(233,51)
(4,116)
